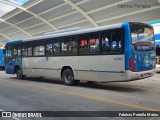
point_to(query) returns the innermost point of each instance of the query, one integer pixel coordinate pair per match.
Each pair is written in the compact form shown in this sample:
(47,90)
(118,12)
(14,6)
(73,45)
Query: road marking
(86,96)
(15,118)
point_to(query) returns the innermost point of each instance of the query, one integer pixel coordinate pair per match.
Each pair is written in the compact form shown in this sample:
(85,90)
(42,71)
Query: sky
(7,8)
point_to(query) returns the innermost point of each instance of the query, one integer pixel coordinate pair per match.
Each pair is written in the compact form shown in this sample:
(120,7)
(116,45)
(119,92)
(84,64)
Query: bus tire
(19,74)
(68,77)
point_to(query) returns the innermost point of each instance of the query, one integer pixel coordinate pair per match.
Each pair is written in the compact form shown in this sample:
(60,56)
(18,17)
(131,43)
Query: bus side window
(69,46)
(56,46)
(116,41)
(19,49)
(38,48)
(49,48)
(15,50)
(29,47)
(84,44)
(106,42)
(24,49)
(94,43)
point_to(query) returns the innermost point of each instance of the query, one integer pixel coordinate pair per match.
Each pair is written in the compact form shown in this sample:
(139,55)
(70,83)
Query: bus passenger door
(12,58)
(112,61)
(87,61)
(8,60)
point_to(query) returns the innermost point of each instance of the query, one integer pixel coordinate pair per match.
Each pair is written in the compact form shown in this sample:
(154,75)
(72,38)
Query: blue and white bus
(113,53)
(2,64)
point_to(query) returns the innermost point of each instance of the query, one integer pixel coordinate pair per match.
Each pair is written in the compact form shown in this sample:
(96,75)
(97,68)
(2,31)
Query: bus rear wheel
(68,77)
(19,74)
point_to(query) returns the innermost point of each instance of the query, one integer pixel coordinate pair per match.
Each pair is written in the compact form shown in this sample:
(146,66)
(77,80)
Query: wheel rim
(68,77)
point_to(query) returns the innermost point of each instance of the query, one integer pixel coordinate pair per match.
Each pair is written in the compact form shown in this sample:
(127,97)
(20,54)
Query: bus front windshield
(142,38)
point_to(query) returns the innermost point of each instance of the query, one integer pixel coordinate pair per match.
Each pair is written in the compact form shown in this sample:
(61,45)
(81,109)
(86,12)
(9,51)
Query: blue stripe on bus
(78,70)
(127,43)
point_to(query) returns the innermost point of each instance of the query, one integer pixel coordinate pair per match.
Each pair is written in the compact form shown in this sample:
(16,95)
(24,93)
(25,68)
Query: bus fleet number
(118,58)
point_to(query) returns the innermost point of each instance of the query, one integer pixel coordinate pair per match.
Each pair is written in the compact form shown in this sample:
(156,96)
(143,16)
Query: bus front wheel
(68,77)
(19,74)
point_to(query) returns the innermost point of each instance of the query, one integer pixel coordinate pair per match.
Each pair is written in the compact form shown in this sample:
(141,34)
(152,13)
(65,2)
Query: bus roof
(75,32)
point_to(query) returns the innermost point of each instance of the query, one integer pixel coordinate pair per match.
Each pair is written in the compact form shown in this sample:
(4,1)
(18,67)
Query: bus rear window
(142,38)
